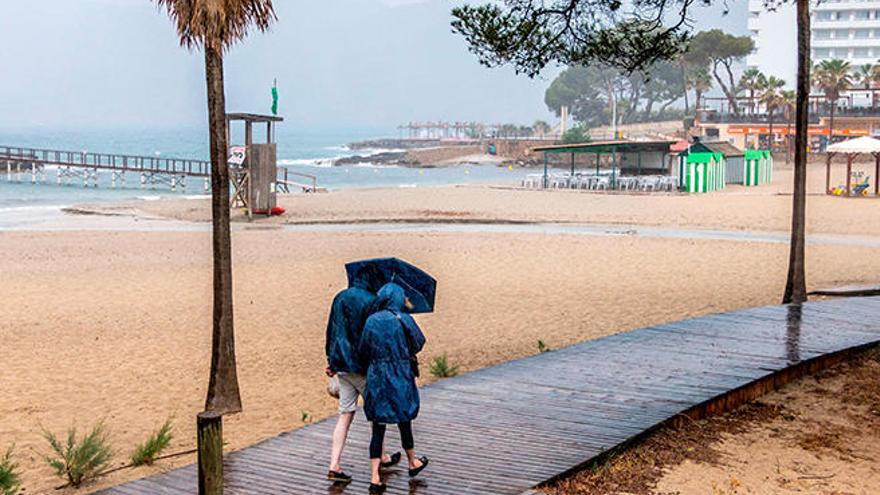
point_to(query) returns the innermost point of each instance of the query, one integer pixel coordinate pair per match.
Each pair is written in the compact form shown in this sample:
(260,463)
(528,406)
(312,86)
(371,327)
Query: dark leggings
(406,438)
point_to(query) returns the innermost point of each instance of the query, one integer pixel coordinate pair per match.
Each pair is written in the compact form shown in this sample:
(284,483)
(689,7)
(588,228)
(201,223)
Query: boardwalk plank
(510,427)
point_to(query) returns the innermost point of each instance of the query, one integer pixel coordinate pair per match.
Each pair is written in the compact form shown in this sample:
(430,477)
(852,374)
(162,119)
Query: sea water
(306,151)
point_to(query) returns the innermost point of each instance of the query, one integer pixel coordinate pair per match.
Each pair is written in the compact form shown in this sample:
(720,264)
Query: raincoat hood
(391,297)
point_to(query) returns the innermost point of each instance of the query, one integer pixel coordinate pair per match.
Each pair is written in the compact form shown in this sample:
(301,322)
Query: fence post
(210,445)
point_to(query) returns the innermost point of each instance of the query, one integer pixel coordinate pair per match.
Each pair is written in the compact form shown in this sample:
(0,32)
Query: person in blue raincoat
(348,314)
(388,347)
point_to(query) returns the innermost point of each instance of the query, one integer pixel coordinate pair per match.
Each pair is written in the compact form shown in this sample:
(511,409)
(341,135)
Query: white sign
(236,155)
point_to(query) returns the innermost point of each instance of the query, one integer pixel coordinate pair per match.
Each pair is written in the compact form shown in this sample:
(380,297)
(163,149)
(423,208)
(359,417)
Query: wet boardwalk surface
(508,428)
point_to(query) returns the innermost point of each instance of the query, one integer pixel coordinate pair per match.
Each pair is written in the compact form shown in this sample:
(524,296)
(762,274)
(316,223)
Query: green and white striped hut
(703,172)
(758,168)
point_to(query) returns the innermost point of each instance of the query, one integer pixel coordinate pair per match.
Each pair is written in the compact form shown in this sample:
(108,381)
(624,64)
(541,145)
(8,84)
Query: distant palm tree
(215,25)
(700,81)
(789,105)
(771,98)
(865,76)
(752,80)
(541,128)
(832,77)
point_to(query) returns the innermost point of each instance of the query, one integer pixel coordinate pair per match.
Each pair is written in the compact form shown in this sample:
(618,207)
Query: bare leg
(340,434)
(374,471)
(414,461)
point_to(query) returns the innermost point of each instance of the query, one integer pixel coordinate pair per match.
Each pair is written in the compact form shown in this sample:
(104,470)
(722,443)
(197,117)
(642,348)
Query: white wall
(775,42)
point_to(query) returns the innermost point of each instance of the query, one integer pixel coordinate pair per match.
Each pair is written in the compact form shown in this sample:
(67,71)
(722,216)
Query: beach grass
(440,367)
(147,452)
(9,479)
(79,460)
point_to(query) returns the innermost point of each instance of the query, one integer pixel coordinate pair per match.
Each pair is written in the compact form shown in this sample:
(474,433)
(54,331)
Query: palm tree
(796,280)
(865,76)
(832,77)
(788,103)
(752,80)
(541,128)
(700,81)
(771,98)
(215,25)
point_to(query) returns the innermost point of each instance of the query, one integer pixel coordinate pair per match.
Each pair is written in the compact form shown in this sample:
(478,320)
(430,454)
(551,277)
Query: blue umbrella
(420,287)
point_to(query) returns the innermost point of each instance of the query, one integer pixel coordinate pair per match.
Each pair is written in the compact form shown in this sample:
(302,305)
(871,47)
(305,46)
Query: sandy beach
(735,208)
(124,316)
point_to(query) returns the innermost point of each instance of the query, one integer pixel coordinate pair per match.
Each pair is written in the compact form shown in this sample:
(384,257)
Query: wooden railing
(104,161)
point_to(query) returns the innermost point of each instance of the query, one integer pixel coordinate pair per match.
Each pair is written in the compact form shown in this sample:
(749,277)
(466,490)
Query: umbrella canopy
(420,287)
(859,145)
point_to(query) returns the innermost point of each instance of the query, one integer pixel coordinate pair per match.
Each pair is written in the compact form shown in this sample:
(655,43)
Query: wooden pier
(21,164)
(509,428)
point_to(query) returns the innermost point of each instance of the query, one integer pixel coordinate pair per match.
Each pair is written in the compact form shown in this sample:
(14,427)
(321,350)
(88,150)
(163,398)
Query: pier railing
(104,161)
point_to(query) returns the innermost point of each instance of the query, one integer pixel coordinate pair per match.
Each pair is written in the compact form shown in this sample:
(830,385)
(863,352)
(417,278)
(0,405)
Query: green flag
(275,98)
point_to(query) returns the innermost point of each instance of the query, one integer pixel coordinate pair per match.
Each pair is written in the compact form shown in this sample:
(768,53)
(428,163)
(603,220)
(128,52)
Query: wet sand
(114,323)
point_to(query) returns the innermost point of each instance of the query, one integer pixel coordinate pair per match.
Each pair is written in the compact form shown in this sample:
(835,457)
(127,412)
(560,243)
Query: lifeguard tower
(254,166)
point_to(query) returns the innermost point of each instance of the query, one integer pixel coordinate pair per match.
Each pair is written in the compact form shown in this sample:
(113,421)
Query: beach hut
(703,173)
(757,168)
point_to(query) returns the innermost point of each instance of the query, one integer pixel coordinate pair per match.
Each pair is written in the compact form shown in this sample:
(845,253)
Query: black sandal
(338,477)
(374,488)
(415,472)
(395,458)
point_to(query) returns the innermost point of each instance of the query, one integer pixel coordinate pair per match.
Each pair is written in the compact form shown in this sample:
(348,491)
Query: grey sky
(103,63)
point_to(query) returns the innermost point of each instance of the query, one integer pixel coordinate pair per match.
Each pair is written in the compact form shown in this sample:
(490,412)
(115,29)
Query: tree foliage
(720,52)
(641,96)
(217,24)
(530,34)
(576,135)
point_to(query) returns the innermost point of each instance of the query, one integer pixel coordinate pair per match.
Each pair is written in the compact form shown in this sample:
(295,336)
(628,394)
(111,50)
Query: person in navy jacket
(388,347)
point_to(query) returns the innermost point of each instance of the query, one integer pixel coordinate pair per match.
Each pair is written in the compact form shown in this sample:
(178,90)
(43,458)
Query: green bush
(576,135)
(9,481)
(441,368)
(79,460)
(542,347)
(146,453)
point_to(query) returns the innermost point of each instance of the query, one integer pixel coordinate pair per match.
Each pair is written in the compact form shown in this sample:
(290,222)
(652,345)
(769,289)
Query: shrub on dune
(9,481)
(79,460)
(149,451)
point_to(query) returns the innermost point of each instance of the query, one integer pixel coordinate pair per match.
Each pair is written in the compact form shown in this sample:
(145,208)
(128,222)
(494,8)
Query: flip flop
(415,472)
(374,488)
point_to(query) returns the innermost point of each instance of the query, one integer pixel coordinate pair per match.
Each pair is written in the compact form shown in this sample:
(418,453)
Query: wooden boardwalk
(511,427)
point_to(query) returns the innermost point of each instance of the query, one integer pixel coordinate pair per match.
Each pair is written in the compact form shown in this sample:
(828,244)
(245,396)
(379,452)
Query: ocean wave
(12,209)
(149,198)
(309,162)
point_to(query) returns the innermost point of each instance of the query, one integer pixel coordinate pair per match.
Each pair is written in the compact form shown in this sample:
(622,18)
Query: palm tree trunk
(831,124)
(770,133)
(788,140)
(223,394)
(796,285)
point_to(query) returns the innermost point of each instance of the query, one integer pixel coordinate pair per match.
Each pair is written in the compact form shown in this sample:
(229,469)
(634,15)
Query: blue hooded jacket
(349,312)
(391,395)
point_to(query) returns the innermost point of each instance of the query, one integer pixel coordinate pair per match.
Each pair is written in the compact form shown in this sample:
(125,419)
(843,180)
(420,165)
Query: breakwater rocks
(386,158)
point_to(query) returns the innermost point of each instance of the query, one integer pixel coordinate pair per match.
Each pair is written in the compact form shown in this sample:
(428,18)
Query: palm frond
(218,24)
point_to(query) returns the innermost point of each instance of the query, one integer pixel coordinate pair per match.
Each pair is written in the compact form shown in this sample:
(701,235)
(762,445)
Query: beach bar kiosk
(626,158)
(254,166)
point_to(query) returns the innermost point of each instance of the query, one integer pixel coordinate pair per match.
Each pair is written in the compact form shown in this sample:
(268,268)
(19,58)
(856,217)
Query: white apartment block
(844,29)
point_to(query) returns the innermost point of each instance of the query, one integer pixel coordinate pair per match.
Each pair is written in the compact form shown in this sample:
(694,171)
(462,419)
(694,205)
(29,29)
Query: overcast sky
(339,63)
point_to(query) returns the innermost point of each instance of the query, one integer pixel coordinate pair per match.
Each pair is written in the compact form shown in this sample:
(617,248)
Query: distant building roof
(722,147)
(608,147)
(680,146)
